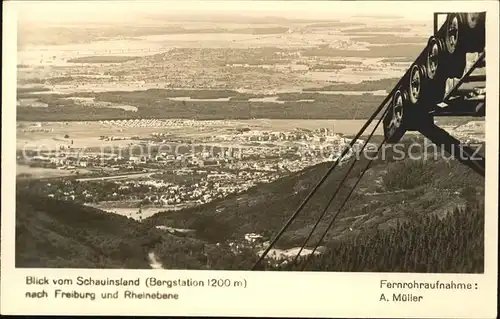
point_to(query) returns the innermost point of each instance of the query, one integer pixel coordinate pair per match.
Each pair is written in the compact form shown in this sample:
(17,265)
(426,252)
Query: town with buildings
(164,171)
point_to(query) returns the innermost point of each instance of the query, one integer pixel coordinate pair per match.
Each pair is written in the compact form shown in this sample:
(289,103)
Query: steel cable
(323,179)
(323,213)
(308,197)
(340,208)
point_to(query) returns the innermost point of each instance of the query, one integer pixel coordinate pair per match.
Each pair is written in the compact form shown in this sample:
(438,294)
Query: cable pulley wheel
(398,109)
(453,32)
(434,52)
(415,83)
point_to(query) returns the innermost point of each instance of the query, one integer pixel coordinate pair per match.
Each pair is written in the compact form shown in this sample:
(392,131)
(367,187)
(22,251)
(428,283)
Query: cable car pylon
(422,93)
(419,96)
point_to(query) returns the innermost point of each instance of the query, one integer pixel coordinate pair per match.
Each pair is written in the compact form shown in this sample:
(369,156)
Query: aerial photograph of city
(183,138)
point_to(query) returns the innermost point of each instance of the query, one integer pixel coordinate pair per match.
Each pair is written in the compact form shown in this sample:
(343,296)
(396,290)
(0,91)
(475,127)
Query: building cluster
(33,127)
(250,150)
(198,187)
(145,175)
(322,135)
(160,123)
(276,257)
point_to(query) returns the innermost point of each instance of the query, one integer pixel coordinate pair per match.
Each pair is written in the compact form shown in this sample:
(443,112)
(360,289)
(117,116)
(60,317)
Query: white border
(272,293)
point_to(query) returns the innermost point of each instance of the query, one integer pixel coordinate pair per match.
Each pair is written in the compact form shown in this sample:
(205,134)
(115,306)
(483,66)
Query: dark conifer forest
(454,244)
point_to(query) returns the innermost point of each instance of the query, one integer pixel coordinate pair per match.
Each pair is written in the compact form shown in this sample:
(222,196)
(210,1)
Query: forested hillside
(58,234)
(405,216)
(52,233)
(453,244)
(389,191)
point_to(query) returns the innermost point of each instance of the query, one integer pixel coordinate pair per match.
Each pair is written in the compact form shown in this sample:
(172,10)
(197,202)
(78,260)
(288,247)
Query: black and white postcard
(201,158)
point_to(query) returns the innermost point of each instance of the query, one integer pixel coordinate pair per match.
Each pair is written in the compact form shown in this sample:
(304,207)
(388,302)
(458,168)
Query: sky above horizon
(115,11)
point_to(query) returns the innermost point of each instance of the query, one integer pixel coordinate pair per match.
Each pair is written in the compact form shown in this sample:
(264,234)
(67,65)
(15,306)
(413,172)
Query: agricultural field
(198,69)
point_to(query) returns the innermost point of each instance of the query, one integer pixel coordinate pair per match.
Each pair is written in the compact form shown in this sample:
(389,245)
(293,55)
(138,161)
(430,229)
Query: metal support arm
(452,146)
